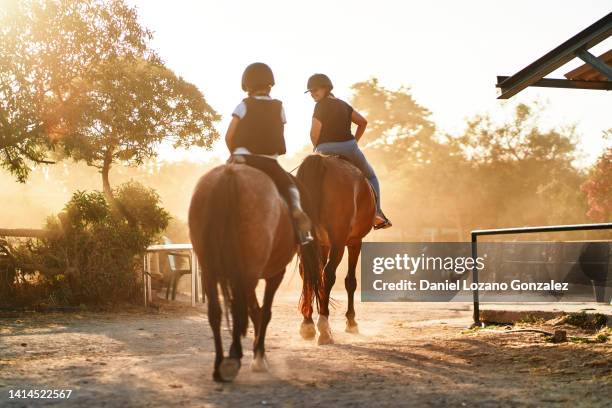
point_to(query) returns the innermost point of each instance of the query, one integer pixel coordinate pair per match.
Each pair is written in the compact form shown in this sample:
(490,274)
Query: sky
(447,52)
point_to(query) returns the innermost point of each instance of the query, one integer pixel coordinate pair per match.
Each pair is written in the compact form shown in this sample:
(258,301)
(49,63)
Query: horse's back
(348,206)
(256,209)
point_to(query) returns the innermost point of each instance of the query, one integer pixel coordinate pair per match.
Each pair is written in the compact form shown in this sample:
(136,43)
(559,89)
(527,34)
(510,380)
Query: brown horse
(342,208)
(241,232)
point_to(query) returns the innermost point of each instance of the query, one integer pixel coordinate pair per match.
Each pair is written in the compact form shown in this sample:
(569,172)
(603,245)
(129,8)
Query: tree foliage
(493,174)
(80,76)
(395,121)
(48,48)
(598,186)
(131,107)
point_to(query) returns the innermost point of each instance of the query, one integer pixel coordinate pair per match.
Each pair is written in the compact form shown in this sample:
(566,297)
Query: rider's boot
(381,221)
(300,218)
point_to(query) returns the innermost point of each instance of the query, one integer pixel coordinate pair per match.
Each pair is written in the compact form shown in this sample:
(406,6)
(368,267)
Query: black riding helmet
(319,81)
(257,75)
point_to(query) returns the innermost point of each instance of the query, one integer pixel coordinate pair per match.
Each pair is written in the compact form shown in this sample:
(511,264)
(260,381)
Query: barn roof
(596,73)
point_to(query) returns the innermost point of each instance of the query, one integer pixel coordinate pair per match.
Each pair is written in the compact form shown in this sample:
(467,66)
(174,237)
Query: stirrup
(386,223)
(305,237)
(383,225)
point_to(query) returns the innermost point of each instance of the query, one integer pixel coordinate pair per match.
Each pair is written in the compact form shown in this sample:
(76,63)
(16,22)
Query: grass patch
(486,325)
(591,321)
(531,319)
(603,336)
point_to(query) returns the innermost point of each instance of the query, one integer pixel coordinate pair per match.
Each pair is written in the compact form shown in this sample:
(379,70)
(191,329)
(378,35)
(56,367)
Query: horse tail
(310,174)
(310,257)
(222,247)
(310,179)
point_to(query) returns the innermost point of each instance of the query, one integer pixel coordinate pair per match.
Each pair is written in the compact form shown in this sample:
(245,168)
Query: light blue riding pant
(351,151)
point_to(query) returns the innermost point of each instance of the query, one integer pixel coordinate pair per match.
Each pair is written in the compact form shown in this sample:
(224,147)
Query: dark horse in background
(342,208)
(241,232)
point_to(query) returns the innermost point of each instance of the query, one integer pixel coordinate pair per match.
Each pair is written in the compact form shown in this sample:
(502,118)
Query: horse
(343,206)
(241,231)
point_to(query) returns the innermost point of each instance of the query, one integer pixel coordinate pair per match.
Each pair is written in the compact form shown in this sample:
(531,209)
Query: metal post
(523,230)
(144,278)
(200,290)
(157,266)
(193,278)
(197,282)
(475,280)
(149,290)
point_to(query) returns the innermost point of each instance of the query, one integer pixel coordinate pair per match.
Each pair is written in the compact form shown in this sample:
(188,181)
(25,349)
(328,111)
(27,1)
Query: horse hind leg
(350,282)
(254,311)
(329,278)
(240,307)
(214,319)
(259,363)
(307,328)
(230,366)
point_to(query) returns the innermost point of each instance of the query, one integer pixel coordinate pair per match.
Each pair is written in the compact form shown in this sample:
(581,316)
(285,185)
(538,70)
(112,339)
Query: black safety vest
(261,130)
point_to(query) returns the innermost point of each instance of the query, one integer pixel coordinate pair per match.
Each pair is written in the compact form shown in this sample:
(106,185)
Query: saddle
(382,225)
(346,159)
(337,156)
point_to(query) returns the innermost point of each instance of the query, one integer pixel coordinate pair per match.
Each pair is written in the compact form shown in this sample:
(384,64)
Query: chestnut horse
(342,208)
(241,232)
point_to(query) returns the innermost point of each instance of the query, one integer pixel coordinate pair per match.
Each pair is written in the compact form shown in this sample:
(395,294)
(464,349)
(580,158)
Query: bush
(93,254)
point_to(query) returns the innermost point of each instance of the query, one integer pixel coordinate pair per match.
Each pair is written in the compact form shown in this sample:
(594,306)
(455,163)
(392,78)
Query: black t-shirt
(335,117)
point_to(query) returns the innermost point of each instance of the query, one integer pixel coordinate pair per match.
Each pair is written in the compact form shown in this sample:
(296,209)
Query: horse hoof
(228,369)
(325,334)
(325,338)
(352,328)
(259,365)
(217,377)
(308,331)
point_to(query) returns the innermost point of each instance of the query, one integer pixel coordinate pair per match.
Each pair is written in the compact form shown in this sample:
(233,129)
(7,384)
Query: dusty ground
(405,355)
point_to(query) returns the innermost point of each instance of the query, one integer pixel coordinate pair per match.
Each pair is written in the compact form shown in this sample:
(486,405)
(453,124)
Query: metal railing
(521,230)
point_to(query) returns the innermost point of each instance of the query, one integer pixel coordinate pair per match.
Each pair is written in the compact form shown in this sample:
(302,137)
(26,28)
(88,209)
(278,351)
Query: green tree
(48,48)
(80,75)
(131,106)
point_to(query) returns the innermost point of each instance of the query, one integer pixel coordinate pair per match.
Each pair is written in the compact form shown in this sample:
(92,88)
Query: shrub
(93,254)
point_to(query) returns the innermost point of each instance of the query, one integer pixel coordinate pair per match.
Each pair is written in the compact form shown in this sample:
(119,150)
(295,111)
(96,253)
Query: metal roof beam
(566,83)
(595,62)
(556,58)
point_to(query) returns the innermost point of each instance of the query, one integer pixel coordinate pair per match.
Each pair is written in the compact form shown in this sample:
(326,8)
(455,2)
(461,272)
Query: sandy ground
(405,355)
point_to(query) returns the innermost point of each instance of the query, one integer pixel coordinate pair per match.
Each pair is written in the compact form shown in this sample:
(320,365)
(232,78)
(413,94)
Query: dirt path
(405,355)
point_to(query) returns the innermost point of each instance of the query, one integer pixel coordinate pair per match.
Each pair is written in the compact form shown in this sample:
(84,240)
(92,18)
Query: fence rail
(23,233)
(522,230)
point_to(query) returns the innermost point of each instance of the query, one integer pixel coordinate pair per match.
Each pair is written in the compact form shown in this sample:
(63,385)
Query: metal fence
(523,230)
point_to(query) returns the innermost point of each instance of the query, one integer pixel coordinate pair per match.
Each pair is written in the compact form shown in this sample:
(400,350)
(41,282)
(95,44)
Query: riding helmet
(257,75)
(319,81)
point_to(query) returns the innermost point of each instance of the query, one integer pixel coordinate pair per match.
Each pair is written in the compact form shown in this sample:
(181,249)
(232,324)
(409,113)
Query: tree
(46,49)
(491,175)
(525,174)
(517,139)
(130,107)
(399,129)
(80,76)
(598,186)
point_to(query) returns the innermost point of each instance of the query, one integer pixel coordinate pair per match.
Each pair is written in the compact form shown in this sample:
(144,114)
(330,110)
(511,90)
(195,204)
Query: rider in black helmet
(331,133)
(256,137)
